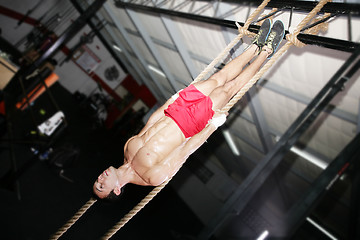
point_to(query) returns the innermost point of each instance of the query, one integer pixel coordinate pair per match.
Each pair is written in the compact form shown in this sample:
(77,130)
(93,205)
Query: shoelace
(258,36)
(270,40)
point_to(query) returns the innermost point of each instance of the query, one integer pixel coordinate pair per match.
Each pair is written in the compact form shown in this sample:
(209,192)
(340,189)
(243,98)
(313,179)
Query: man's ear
(117,190)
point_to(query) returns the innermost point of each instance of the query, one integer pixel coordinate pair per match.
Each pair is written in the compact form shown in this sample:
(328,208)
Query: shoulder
(132,146)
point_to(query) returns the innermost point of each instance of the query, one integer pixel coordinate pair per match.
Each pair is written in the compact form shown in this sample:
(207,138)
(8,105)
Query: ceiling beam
(305,6)
(125,35)
(331,43)
(156,54)
(179,44)
(323,183)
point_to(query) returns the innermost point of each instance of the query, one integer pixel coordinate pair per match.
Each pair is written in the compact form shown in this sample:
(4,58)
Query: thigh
(206,86)
(222,95)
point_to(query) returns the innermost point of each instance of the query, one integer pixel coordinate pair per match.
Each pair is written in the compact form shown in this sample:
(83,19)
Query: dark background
(85,148)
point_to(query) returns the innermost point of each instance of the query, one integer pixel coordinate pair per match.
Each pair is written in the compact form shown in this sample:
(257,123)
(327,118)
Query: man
(186,120)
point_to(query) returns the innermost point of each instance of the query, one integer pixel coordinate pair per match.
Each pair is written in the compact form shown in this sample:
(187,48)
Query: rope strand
(135,210)
(77,215)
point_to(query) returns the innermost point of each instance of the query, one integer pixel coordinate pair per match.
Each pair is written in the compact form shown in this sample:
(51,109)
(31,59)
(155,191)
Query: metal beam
(156,54)
(134,49)
(306,6)
(259,120)
(303,207)
(358,119)
(351,118)
(262,171)
(354,216)
(245,139)
(331,43)
(179,43)
(100,36)
(69,33)
(131,63)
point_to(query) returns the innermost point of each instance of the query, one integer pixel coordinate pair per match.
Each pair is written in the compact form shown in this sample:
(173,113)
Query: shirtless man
(186,120)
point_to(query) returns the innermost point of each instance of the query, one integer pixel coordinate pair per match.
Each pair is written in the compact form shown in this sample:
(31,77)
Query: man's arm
(196,141)
(176,158)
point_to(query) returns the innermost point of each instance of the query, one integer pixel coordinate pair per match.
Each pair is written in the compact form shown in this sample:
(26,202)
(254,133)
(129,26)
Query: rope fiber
(77,215)
(291,40)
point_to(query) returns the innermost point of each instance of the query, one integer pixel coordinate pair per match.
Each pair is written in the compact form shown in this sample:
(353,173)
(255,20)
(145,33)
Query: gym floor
(38,200)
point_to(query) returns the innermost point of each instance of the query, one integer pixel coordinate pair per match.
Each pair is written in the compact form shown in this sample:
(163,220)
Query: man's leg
(229,72)
(222,95)
(235,67)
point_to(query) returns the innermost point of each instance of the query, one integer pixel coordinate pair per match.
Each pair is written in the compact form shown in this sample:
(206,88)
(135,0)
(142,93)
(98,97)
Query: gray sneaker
(263,33)
(275,37)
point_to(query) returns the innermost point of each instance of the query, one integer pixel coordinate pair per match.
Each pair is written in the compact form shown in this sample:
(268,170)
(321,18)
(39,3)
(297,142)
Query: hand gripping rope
(291,40)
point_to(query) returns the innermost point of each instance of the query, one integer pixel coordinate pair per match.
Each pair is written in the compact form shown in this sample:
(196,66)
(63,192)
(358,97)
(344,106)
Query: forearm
(197,140)
(177,157)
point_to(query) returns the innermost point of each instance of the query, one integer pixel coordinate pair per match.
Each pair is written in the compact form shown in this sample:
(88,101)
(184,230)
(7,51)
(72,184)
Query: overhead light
(321,228)
(263,235)
(307,156)
(117,48)
(156,70)
(231,142)
(311,158)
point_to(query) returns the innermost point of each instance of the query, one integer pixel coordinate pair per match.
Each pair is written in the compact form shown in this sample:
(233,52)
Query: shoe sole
(280,40)
(263,38)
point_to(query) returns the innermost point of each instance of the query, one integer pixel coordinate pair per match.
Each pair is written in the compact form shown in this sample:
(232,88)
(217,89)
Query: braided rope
(291,41)
(79,213)
(242,31)
(135,210)
(323,27)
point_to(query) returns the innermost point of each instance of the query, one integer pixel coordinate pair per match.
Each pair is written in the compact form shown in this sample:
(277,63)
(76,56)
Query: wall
(71,76)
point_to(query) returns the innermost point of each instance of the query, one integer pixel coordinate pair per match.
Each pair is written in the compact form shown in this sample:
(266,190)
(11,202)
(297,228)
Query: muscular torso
(147,153)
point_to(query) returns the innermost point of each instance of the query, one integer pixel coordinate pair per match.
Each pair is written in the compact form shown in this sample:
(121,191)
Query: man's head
(107,183)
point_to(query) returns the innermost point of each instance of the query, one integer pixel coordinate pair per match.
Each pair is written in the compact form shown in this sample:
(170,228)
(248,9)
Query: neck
(125,174)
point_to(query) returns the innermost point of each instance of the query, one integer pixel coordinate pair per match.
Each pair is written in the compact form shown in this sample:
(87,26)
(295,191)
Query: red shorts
(191,111)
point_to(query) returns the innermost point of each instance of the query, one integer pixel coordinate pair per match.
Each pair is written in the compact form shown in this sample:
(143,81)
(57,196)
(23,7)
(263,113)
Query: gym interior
(78,78)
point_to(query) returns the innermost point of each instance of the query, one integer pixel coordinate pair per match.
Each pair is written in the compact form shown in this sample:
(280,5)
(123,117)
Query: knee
(229,88)
(226,89)
(220,78)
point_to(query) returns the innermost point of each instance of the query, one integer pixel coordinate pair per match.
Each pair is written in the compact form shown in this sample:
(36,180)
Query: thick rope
(323,27)
(135,210)
(242,31)
(81,211)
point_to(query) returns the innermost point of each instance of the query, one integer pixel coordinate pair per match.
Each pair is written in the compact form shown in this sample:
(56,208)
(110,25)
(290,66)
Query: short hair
(112,197)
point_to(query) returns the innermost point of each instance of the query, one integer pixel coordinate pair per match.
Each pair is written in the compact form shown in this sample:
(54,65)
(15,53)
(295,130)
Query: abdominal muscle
(147,153)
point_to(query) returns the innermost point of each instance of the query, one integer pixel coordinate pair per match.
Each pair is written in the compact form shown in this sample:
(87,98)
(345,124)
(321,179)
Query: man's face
(105,183)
